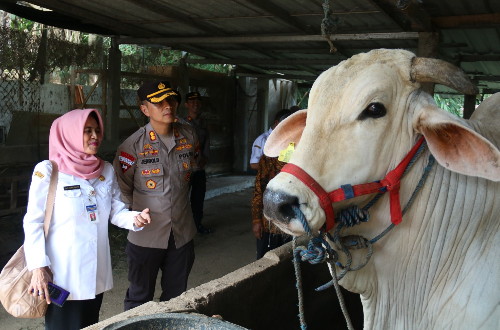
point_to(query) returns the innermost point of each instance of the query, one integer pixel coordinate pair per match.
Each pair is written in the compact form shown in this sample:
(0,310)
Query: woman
(76,250)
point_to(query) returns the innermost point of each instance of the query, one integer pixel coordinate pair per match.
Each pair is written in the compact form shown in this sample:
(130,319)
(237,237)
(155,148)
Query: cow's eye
(373,110)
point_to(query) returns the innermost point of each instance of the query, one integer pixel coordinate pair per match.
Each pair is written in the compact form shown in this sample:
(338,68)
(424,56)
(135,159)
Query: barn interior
(272,51)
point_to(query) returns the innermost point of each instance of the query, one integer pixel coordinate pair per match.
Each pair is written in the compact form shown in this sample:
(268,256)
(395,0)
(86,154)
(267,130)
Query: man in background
(199,176)
(267,234)
(260,141)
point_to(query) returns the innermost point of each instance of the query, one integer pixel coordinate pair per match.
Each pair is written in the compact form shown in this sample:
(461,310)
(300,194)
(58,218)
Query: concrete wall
(236,113)
(258,100)
(261,295)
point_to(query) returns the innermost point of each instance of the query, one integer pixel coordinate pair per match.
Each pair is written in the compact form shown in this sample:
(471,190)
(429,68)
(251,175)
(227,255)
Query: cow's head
(363,116)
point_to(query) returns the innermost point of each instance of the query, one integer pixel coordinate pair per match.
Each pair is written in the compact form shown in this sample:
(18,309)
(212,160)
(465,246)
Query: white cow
(439,268)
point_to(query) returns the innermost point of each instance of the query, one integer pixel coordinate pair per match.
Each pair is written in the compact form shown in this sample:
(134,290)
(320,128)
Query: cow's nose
(278,205)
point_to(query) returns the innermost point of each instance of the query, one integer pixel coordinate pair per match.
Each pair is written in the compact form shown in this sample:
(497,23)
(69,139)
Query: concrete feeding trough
(173,321)
(261,295)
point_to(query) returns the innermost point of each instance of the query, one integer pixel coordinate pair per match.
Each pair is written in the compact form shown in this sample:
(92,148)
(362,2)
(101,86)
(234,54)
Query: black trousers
(74,315)
(198,190)
(270,241)
(144,264)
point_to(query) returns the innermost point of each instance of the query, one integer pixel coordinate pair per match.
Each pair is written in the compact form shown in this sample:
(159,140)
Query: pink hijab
(66,145)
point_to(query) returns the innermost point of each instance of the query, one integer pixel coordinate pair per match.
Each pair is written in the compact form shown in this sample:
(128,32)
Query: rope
(298,284)
(299,215)
(340,297)
(319,250)
(328,25)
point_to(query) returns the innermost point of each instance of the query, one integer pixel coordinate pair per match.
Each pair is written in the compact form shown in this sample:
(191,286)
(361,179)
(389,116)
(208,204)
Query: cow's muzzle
(278,206)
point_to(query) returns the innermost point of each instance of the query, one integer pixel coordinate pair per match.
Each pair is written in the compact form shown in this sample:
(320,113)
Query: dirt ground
(230,247)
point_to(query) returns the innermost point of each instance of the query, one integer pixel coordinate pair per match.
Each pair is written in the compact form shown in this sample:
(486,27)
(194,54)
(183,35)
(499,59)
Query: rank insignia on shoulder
(39,174)
(102,178)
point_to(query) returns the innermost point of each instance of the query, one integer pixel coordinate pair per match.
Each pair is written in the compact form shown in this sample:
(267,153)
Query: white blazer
(77,246)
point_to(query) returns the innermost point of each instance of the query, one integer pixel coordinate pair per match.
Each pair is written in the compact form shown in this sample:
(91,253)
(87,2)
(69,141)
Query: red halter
(390,183)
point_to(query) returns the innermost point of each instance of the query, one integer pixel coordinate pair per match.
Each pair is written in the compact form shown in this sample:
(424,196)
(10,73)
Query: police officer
(199,177)
(153,167)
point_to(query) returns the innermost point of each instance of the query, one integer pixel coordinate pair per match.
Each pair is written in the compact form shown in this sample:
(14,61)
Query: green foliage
(303,96)
(21,24)
(136,58)
(453,104)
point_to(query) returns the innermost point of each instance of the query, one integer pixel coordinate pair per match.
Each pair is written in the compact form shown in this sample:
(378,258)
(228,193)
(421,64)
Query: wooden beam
(277,76)
(202,52)
(428,46)
(283,61)
(479,58)
(270,39)
(486,77)
(484,20)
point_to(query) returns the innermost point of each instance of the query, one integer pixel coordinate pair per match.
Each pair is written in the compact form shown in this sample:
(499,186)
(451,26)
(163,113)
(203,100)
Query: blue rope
(299,215)
(316,252)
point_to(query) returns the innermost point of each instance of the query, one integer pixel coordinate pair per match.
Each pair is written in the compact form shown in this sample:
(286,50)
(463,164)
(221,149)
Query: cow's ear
(289,130)
(456,146)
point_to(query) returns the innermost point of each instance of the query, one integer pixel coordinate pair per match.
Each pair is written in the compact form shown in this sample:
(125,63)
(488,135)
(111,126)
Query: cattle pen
(261,295)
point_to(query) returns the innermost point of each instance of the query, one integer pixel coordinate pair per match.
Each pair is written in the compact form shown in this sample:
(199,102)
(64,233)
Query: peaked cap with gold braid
(157,91)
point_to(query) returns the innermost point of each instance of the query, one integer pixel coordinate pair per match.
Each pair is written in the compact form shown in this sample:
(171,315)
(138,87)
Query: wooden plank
(271,39)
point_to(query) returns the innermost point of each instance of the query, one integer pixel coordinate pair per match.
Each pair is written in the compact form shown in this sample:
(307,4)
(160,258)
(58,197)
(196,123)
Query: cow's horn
(437,71)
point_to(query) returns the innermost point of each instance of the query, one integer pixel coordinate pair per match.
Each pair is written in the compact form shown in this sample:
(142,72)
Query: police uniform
(154,172)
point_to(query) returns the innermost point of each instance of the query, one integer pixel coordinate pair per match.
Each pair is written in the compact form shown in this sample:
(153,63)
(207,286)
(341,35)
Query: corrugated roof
(284,36)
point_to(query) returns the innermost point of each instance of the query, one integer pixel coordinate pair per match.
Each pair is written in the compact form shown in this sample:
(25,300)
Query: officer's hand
(143,218)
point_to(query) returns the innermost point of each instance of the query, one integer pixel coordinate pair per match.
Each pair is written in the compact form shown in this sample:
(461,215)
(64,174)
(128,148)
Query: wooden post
(183,87)
(113,92)
(262,104)
(428,43)
(469,105)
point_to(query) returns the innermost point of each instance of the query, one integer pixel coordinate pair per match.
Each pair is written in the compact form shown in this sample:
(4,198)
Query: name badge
(91,211)
(72,187)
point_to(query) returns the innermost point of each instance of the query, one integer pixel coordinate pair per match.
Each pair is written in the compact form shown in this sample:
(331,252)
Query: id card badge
(92,212)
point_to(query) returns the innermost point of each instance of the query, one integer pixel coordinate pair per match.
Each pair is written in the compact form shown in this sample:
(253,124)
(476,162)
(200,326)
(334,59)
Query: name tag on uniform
(72,187)
(91,211)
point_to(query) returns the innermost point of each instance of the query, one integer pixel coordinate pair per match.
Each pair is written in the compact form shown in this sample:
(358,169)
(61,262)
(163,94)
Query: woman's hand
(142,219)
(39,286)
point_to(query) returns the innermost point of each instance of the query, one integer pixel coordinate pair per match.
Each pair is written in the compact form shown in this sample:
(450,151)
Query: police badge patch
(126,161)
